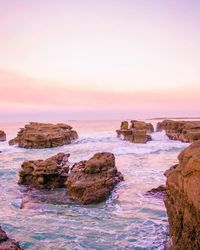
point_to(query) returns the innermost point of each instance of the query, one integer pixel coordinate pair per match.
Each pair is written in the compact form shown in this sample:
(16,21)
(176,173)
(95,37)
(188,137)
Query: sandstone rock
(183,199)
(44,135)
(92,181)
(2,135)
(6,243)
(124,125)
(49,173)
(185,131)
(142,125)
(138,131)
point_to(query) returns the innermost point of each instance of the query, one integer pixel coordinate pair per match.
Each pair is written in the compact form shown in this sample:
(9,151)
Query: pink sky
(105,59)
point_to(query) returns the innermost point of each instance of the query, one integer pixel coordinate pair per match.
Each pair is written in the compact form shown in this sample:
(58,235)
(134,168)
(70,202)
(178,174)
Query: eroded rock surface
(185,131)
(6,243)
(2,135)
(49,173)
(137,132)
(183,199)
(44,135)
(92,181)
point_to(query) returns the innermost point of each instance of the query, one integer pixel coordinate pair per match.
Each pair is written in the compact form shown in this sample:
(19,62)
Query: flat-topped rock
(185,131)
(142,125)
(2,135)
(49,173)
(44,135)
(137,132)
(6,243)
(183,199)
(92,181)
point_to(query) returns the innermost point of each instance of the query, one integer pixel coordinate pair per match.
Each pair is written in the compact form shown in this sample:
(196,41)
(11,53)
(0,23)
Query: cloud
(23,94)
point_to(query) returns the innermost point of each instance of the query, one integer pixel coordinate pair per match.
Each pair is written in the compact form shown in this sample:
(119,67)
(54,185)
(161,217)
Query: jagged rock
(6,243)
(159,189)
(138,131)
(2,135)
(158,192)
(49,173)
(92,181)
(124,125)
(183,199)
(185,131)
(44,135)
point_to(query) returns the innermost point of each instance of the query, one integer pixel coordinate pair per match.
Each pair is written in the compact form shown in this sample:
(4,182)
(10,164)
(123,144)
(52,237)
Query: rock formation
(92,181)
(183,199)
(6,243)
(49,173)
(138,131)
(185,131)
(2,135)
(44,135)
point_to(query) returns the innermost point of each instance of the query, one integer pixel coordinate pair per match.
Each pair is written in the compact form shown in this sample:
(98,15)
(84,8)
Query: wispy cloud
(20,93)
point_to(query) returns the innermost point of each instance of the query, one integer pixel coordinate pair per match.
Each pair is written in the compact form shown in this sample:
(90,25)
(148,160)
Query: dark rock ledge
(6,243)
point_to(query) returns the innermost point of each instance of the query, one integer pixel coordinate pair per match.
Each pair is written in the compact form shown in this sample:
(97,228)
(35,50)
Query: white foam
(159,136)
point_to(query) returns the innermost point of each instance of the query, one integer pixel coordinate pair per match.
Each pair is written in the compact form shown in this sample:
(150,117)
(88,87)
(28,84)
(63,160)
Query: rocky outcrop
(2,135)
(185,131)
(6,243)
(137,132)
(183,199)
(87,181)
(44,135)
(49,173)
(92,181)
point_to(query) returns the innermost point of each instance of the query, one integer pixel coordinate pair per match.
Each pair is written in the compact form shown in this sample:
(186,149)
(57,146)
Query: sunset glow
(99,59)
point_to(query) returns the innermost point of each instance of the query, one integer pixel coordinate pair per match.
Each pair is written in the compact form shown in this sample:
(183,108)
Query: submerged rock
(92,181)
(6,243)
(185,131)
(44,135)
(183,199)
(138,131)
(157,192)
(37,199)
(2,135)
(49,173)
(159,189)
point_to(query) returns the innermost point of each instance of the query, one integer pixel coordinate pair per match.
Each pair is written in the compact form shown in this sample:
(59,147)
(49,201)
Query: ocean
(128,219)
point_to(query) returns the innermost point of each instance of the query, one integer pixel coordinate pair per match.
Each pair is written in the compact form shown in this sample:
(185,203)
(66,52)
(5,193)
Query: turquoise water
(129,219)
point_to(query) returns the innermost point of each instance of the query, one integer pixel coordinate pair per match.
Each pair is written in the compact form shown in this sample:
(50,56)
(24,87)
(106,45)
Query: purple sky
(99,59)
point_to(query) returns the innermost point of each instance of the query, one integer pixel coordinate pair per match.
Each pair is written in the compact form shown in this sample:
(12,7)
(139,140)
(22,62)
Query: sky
(108,59)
